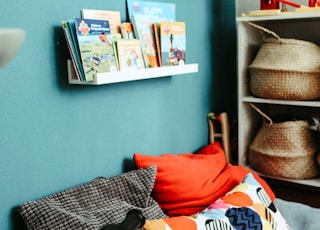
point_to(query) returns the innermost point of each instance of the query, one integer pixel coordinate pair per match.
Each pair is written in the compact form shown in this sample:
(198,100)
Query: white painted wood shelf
(134,75)
(313,182)
(304,26)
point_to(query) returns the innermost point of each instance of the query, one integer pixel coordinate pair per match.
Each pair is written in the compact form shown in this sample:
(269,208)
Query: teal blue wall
(54,135)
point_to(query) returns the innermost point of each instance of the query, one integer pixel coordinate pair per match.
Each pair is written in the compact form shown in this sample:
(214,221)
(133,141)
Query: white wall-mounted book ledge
(123,76)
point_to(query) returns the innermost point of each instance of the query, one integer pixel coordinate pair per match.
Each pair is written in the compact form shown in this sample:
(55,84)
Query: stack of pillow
(174,191)
(203,191)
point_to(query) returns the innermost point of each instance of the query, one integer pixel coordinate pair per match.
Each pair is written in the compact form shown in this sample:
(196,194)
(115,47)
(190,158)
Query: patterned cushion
(91,205)
(247,206)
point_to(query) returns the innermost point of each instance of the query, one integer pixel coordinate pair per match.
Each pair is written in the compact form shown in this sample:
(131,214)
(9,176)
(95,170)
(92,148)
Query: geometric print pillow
(247,206)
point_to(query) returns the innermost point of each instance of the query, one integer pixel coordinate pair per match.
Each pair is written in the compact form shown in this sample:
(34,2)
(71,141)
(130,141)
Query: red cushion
(187,183)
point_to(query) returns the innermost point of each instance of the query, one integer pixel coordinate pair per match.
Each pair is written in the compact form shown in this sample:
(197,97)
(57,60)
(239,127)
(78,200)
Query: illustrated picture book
(160,10)
(172,37)
(156,30)
(96,46)
(113,17)
(143,30)
(73,49)
(126,29)
(129,54)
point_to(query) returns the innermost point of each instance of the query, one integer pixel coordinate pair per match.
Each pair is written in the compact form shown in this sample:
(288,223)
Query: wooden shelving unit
(304,26)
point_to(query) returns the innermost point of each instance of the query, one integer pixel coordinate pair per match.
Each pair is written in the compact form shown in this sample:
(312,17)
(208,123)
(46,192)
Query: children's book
(160,10)
(113,17)
(129,54)
(143,30)
(76,61)
(96,46)
(173,43)
(126,29)
(115,39)
(156,29)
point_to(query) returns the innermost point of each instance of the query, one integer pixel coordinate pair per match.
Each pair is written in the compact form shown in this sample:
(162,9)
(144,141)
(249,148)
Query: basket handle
(262,113)
(265,30)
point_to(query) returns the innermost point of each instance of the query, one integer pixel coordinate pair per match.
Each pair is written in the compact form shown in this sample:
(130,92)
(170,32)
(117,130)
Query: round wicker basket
(286,149)
(284,85)
(285,69)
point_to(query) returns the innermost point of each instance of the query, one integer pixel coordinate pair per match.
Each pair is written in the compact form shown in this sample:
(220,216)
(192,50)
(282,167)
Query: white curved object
(10,42)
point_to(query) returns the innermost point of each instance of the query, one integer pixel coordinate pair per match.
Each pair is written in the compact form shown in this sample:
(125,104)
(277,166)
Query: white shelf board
(281,16)
(280,102)
(313,182)
(123,76)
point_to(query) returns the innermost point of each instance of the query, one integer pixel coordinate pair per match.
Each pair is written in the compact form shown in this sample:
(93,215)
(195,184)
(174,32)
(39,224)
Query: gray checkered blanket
(94,204)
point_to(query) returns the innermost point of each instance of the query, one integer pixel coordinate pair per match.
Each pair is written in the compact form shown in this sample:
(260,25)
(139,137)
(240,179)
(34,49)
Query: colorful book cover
(113,17)
(143,30)
(72,50)
(73,31)
(129,54)
(173,43)
(115,39)
(126,29)
(162,11)
(156,29)
(96,46)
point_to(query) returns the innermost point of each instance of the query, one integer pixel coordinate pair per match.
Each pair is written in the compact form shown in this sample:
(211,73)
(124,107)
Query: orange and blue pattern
(246,207)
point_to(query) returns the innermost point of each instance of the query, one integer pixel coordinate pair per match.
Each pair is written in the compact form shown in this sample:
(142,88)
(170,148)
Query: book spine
(71,49)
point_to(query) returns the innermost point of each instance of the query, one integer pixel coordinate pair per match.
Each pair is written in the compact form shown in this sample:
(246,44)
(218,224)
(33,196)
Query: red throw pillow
(187,183)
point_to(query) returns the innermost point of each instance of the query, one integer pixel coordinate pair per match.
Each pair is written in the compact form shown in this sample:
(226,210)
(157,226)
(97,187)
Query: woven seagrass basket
(284,149)
(285,69)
